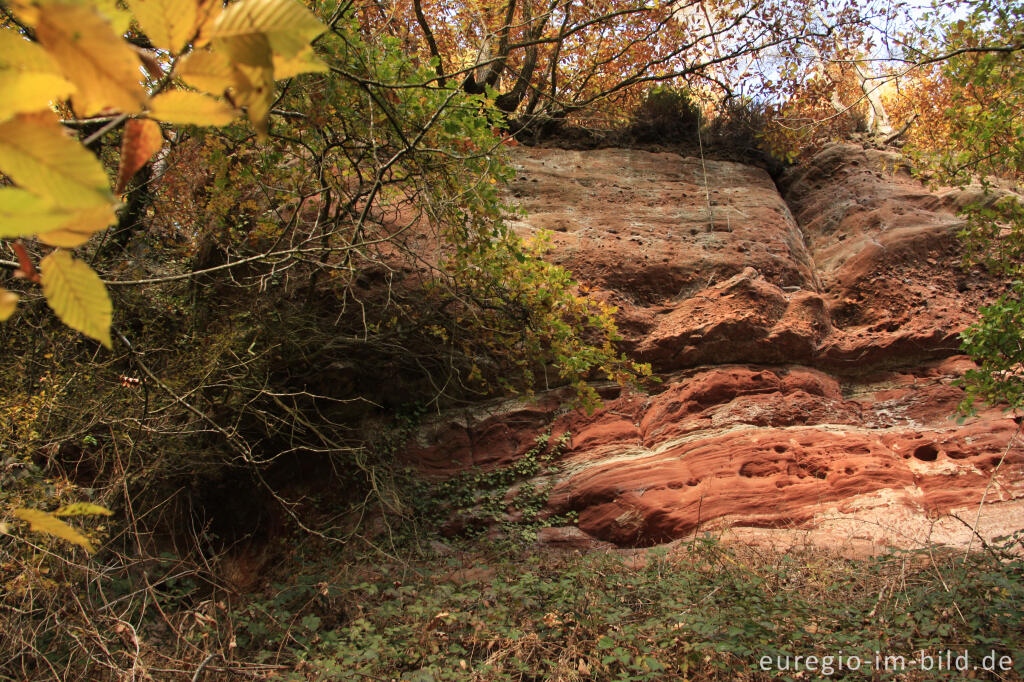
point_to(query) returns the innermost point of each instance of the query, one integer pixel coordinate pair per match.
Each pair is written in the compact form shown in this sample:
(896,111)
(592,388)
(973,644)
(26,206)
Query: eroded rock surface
(806,344)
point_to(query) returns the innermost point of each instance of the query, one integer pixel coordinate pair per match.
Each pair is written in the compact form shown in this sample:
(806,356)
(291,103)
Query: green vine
(508,497)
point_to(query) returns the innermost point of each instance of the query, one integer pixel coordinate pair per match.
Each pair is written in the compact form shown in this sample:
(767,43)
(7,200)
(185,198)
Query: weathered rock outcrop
(805,342)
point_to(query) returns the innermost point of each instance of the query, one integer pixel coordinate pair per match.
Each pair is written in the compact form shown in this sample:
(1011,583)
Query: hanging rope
(704,169)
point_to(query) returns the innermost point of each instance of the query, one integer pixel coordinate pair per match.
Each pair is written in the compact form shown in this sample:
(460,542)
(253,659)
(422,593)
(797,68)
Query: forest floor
(416,606)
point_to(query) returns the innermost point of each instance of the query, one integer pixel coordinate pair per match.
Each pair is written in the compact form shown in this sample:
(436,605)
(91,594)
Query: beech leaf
(29,78)
(304,62)
(77,295)
(254,90)
(81,225)
(169,24)
(36,153)
(191,108)
(91,55)
(287,24)
(83,509)
(8,304)
(207,70)
(24,214)
(43,522)
(140,140)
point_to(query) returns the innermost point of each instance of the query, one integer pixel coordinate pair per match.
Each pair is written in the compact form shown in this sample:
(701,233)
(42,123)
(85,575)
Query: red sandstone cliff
(806,343)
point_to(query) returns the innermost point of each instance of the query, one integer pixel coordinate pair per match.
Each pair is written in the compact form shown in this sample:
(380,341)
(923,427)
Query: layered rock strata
(805,342)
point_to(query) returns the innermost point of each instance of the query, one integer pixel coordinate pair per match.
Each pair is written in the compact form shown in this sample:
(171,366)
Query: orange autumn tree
(547,60)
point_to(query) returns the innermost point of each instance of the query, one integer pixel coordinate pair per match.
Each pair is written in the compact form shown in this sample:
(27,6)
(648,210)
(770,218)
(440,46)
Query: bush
(666,115)
(739,125)
(738,131)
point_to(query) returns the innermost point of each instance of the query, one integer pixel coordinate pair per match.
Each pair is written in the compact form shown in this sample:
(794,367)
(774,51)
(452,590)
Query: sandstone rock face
(806,343)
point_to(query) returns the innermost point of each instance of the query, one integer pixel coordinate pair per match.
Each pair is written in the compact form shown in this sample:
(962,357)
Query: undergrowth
(698,610)
(456,588)
(508,502)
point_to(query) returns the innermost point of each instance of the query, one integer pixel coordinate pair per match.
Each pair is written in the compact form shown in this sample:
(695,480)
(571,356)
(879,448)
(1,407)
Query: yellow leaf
(8,303)
(36,153)
(120,21)
(102,66)
(168,23)
(23,214)
(208,71)
(287,24)
(28,11)
(248,50)
(77,295)
(25,11)
(140,140)
(48,523)
(304,62)
(82,509)
(254,89)
(191,108)
(206,14)
(17,52)
(81,225)
(26,91)
(250,86)
(29,78)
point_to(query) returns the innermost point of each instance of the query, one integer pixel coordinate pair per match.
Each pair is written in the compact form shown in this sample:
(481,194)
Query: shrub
(666,115)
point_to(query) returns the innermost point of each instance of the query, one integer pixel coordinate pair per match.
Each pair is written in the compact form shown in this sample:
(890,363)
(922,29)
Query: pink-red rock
(806,358)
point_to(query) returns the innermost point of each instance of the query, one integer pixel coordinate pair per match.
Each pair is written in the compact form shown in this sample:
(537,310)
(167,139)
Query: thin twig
(202,666)
(991,480)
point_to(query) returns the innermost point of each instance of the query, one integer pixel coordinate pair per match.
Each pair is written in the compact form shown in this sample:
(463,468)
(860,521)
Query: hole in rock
(692,482)
(748,470)
(926,453)
(849,471)
(779,448)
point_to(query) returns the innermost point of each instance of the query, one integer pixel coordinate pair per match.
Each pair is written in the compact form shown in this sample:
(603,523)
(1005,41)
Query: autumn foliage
(283,223)
(62,194)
